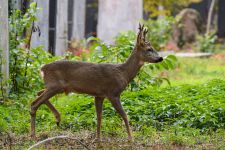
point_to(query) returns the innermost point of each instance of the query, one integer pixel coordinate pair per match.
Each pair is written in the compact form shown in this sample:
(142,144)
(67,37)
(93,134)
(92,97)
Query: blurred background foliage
(169,6)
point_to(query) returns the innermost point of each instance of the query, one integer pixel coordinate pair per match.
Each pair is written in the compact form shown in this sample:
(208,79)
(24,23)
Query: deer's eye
(149,50)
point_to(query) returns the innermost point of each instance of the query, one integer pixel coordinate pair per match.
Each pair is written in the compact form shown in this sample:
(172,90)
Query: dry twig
(58,137)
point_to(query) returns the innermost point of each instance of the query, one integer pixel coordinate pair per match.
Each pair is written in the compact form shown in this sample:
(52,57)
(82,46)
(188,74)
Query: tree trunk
(221,20)
(115,16)
(43,24)
(15,4)
(209,20)
(78,19)
(4,39)
(61,28)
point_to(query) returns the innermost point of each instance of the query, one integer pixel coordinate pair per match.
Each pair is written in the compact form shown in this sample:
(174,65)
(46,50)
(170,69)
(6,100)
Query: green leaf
(164,65)
(171,57)
(33,5)
(169,63)
(93,39)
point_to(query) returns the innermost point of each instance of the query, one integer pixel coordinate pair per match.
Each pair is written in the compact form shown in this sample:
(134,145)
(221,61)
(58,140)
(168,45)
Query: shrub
(206,43)
(24,61)
(196,106)
(160,31)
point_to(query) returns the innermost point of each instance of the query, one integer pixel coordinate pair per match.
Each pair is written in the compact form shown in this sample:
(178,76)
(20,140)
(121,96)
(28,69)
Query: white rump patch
(42,74)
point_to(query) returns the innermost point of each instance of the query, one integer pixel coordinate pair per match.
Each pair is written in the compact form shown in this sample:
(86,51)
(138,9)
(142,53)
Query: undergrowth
(181,114)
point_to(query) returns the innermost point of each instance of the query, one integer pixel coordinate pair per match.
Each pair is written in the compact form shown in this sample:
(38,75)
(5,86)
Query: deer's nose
(160,59)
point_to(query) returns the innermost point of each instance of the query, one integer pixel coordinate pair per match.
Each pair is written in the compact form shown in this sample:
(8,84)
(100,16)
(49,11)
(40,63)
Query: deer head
(146,52)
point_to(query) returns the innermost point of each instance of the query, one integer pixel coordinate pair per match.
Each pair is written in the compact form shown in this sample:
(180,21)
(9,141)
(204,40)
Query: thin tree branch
(58,137)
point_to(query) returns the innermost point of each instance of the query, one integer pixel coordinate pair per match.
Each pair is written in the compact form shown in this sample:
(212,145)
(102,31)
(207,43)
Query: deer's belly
(101,88)
(94,91)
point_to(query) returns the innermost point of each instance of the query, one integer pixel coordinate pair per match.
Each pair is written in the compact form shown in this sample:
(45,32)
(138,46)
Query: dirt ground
(85,141)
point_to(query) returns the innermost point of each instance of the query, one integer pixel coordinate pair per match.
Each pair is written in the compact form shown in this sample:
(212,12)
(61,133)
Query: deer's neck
(132,66)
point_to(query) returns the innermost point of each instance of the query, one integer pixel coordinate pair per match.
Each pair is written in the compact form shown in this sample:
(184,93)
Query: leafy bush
(160,31)
(25,62)
(101,52)
(199,106)
(19,55)
(206,43)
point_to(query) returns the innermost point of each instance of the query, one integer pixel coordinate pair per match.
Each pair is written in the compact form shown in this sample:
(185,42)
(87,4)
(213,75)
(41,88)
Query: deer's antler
(145,33)
(141,34)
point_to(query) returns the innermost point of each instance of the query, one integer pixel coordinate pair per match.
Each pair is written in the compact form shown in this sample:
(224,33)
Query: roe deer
(99,80)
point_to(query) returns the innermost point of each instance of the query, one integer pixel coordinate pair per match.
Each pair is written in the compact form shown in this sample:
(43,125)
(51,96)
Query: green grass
(195,71)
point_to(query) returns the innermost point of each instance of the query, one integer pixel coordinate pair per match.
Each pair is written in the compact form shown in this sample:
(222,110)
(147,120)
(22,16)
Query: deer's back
(82,77)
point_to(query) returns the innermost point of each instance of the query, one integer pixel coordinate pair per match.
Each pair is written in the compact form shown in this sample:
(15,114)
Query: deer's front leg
(98,105)
(117,105)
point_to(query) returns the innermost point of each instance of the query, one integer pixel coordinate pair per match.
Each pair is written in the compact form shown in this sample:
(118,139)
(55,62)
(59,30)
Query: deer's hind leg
(54,111)
(45,95)
(52,108)
(40,92)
